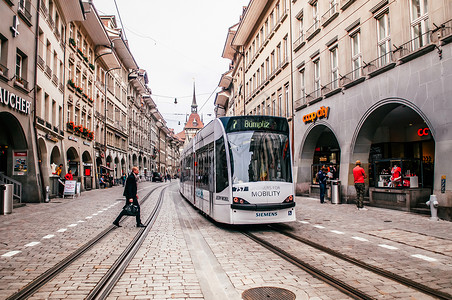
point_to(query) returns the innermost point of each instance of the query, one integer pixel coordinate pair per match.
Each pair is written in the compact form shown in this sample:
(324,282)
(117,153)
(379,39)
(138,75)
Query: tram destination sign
(261,123)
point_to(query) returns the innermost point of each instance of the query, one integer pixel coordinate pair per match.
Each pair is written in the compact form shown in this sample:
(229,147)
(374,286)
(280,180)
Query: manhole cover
(267,292)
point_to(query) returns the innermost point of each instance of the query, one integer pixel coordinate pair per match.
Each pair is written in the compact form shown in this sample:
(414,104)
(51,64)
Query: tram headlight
(289,199)
(238,200)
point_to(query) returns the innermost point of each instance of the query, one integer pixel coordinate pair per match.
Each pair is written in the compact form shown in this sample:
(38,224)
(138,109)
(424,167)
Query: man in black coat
(130,192)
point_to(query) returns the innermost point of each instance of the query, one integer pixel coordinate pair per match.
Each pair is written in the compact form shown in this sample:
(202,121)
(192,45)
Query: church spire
(194,106)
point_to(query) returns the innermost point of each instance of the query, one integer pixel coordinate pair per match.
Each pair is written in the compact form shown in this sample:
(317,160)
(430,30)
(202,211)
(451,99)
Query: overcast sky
(178,42)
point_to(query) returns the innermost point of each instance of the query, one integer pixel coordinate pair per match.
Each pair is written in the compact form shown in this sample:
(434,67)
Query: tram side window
(221,166)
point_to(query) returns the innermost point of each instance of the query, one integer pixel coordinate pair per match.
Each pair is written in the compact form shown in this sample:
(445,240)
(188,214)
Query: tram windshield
(259,156)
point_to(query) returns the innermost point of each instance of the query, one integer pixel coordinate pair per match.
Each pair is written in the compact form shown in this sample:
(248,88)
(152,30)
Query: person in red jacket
(359,175)
(69,175)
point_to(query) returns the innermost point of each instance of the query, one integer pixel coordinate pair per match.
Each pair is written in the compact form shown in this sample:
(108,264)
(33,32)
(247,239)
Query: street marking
(424,257)
(88,217)
(10,253)
(388,247)
(319,226)
(95,214)
(100,211)
(61,230)
(49,236)
(80,221)
(304,222)
(32,244)
(72,225)
(360,239)
(337,231)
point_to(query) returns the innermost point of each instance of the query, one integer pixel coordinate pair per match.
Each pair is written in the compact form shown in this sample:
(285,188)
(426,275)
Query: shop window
(397,173)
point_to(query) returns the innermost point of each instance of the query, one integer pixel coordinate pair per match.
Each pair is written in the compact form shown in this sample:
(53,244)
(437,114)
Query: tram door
(211,177)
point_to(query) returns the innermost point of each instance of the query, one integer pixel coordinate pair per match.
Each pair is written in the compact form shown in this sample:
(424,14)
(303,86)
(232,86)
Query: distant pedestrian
(123,178)
(102,183)
(130,192)
(69,175)
(322,178)
(359,175)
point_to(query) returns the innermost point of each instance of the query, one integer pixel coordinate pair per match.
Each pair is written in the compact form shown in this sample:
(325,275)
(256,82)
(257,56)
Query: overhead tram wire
(120,20)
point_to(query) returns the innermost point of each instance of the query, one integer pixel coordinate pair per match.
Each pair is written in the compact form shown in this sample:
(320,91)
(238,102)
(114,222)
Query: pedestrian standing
(322,178)
(130,192)
(359,175)
(69,175)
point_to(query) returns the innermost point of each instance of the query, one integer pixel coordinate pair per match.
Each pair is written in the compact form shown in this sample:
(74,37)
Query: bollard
(433,203)
(47,200)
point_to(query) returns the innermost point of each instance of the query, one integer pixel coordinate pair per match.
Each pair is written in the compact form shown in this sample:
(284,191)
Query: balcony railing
(41,62)
(55,80)
(3,71)
(48,71)
(19,81)
(352,78)
(412,48)
(380,64)
(313,30)
(330,15)
(299,42)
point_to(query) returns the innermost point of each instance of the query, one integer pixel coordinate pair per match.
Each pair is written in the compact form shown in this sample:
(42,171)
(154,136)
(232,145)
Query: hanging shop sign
(322,113)
(72,138)
(15,102)
(51,137)
(423,131)
(20,162)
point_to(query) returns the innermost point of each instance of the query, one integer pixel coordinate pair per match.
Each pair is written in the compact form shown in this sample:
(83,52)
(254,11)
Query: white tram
(238,170)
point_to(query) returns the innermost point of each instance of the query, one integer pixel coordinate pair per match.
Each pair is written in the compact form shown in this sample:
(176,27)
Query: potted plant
(70,125)
(72,42)
(78,129)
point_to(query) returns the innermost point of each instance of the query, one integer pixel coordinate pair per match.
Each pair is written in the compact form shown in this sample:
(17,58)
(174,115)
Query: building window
(356,55)
(286,96)
(278,55)
(317,78)
(302,86)
(280,103)
(272,61)
(315,15)
(419,23)
(334,69)
(384,39)
(286,49)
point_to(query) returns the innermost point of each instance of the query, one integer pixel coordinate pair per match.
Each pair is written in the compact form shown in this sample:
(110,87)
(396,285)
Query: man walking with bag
(130,192)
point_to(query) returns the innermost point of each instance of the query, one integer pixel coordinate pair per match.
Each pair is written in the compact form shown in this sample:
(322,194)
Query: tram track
(346,288)
(36,284)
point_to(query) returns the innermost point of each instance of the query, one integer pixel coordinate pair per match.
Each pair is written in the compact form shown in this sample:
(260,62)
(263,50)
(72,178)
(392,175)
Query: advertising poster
(20,162)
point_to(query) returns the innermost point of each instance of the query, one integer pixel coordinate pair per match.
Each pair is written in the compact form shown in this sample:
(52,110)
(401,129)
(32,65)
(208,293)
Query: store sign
(51,137)
(323,112)
(15,102)
(72,138)
(423,132)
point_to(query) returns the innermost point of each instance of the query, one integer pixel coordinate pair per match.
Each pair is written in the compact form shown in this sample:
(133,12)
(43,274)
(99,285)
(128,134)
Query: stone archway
(73,160)
(388,135)
(87,171)
(320,139)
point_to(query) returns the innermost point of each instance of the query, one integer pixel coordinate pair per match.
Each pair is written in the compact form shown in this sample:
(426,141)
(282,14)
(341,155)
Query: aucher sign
(15,102)
(323,112)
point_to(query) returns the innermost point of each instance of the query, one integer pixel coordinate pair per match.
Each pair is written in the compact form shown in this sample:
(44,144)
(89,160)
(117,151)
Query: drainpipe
(41,177)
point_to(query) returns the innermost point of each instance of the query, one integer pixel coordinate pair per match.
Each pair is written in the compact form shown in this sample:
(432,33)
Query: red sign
(423,131)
